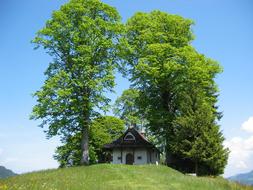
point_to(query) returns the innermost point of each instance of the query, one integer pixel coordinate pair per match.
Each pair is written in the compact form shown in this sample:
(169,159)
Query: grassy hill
(110,177)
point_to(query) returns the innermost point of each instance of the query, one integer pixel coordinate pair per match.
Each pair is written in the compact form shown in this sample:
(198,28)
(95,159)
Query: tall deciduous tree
(81,38)
(164,68)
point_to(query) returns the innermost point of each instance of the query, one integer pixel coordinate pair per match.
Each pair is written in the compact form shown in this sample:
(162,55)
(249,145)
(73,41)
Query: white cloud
(1,151)
(248,143)
(241,155)
(241,151)
(248,125)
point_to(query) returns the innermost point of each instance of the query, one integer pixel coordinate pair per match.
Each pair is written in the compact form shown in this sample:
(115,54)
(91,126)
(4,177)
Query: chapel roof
(139,141)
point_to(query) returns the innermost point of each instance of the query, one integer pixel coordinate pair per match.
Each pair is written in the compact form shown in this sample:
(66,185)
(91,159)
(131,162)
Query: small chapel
(133,148)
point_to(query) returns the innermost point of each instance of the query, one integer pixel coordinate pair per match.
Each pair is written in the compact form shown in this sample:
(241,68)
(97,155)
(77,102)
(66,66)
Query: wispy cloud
(248,125)
(241,151)
(241,155)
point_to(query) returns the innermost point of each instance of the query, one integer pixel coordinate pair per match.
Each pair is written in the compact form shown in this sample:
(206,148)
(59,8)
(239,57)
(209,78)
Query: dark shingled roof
(139,142)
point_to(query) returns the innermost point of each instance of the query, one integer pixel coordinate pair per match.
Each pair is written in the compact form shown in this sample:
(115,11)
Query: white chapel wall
(140,156)
(115,156)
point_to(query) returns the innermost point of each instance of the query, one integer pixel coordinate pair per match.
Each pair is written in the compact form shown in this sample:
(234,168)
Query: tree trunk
(196,168)
(168,160)
(166,157)
(85,146)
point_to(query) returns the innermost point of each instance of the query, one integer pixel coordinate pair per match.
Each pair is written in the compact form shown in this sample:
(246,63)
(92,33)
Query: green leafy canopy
(82,39)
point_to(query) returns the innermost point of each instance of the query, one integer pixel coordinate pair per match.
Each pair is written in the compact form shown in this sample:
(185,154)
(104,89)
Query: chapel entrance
(129,159)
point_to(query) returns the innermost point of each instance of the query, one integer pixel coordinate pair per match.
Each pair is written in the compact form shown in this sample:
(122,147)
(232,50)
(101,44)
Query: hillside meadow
(110,177)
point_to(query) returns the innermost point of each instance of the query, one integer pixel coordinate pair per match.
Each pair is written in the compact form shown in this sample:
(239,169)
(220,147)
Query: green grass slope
(110,177)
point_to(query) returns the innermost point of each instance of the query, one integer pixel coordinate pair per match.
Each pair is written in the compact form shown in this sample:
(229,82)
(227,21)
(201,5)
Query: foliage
(103,131)
(113,177)
(81,38)
(197,137)
(70,153)
(166,70)
(173,88)
(126,108)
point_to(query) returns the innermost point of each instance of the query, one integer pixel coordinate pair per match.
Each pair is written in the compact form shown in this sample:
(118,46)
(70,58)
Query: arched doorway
(129,159)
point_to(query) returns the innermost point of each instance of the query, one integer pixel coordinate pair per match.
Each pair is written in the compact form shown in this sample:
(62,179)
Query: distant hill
(114,177)
(246,178)
(5,172)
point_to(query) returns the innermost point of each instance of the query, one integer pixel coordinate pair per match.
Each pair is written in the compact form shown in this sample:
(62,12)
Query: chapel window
(129,137)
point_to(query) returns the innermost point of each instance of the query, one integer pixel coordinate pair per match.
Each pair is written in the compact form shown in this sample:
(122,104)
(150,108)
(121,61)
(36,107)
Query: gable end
(129,137)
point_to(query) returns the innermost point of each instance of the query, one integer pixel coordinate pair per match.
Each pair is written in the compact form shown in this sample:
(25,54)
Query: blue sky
(223,30)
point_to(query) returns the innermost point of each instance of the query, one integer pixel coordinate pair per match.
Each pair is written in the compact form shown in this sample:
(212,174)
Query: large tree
(81,38)
(197,137)
(164,68)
